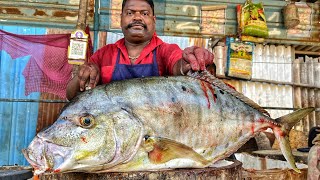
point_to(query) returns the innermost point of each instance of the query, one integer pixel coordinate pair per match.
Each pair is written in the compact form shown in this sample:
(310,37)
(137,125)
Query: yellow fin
(161,150)
(287,122)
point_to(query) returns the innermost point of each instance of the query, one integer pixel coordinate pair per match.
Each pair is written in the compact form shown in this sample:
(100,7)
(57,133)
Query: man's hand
(88,73)
(196,59)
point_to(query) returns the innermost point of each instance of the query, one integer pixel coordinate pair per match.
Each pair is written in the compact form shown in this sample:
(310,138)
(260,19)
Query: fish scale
(156,123)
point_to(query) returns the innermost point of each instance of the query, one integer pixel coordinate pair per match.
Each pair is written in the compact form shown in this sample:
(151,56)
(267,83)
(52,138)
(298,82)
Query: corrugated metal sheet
(113,37)
(183,42)
(184,18)
(19,119)
(174,18)
(43,13)
(306,70)
(48,111)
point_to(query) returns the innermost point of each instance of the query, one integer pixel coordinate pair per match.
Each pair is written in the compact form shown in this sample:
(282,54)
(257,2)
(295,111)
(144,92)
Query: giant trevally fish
(154,123)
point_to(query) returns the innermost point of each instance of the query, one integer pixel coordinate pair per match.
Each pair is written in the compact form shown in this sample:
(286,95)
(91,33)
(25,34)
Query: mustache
(136,23)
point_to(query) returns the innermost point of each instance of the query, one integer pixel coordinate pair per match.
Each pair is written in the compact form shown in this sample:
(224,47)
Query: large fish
(154,123)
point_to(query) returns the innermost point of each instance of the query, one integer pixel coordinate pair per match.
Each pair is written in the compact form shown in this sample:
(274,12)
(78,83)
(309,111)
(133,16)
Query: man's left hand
(196,59)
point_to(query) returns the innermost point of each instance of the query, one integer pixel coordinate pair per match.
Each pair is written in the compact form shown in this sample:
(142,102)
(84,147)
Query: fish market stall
(270,60)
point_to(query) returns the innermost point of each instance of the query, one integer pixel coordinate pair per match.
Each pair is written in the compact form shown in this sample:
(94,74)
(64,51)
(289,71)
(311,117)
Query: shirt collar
(154,42)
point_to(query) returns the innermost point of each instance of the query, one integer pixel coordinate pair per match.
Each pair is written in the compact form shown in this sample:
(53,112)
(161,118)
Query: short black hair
(150,2)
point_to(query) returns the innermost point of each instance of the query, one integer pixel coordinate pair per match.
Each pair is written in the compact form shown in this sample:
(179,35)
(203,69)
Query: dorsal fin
(206,76)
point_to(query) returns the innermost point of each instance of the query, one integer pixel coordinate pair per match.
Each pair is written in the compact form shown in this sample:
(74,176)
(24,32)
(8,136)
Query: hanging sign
(77,50)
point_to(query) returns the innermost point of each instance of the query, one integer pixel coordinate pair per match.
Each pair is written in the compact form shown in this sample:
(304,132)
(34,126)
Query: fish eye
(146,137)
(86,121)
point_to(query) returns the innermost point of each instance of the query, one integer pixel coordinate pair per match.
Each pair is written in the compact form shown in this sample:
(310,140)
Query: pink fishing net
(48,69)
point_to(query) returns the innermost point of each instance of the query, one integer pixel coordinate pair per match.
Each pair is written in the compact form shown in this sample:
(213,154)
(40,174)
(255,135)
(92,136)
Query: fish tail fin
(287,122)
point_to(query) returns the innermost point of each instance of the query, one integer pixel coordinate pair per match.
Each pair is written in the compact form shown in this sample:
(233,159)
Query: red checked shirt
(166,54)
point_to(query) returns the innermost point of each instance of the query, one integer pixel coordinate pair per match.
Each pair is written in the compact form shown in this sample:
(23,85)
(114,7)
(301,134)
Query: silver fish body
(152,123)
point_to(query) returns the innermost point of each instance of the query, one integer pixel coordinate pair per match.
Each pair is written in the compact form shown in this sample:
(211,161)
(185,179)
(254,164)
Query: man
(139,54)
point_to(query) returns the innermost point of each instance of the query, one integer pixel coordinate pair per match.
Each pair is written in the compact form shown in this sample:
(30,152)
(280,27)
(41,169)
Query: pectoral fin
(161,150)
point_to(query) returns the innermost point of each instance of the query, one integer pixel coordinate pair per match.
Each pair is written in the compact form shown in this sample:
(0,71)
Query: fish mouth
(46,157)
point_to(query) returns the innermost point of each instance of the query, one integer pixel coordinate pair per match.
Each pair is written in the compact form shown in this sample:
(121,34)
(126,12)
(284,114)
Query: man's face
(137,21)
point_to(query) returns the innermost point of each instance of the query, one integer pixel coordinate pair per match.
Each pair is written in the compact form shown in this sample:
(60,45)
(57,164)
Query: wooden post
(311,91)
(304,91)
(317,91)
(297,90)
(81,24)
(82,15)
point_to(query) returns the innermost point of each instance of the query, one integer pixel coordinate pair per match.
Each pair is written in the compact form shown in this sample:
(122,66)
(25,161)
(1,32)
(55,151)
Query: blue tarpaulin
(18,119)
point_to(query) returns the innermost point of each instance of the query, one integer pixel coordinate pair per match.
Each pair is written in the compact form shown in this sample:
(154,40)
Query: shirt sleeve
(95,58)
(170,54)
(103,58)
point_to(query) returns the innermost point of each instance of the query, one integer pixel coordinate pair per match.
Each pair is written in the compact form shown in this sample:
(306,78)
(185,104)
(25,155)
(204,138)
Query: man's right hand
(88,73)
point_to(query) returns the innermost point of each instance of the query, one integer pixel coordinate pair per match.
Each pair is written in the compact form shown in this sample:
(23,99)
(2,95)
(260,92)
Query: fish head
(88,140)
